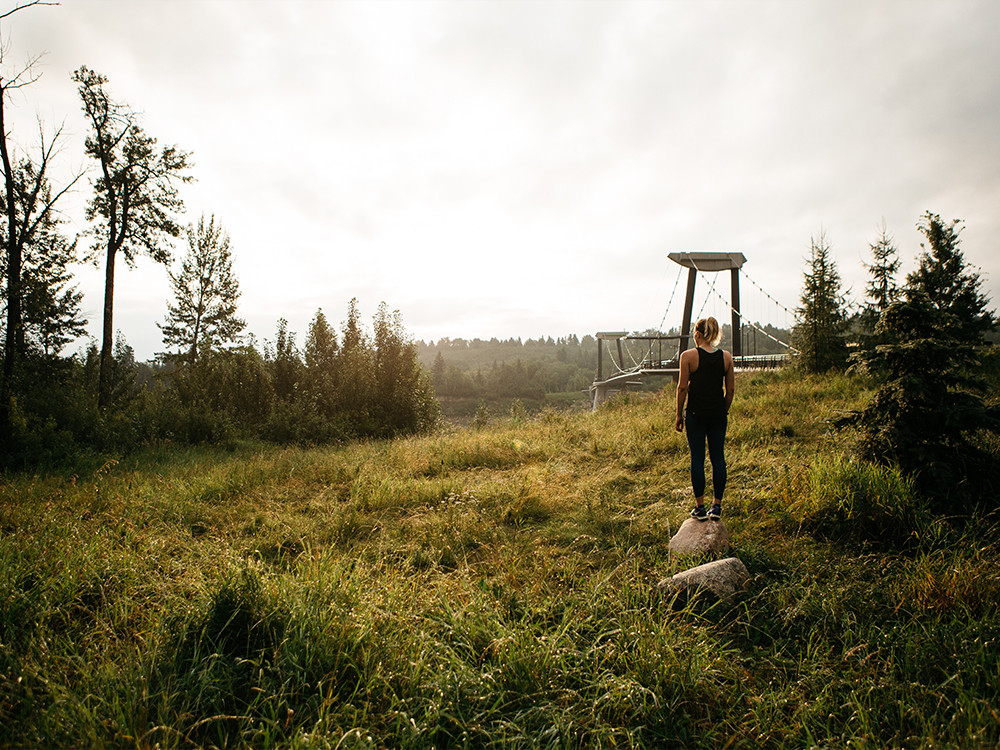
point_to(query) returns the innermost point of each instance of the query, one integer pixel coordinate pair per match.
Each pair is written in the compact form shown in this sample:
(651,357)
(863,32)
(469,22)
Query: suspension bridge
(659,355)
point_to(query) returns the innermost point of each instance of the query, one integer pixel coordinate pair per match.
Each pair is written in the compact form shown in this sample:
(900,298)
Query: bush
(928,416)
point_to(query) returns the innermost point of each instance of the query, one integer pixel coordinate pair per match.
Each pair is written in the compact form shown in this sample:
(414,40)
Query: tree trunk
(10,349)
(104,396)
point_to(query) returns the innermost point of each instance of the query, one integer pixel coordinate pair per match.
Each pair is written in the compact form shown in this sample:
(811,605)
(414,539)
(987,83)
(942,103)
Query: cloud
(494,165)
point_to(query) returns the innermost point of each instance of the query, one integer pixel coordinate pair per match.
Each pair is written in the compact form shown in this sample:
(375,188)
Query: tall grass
(496,587)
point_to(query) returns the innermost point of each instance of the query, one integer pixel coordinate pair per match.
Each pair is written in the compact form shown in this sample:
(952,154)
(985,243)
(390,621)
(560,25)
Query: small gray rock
(726,579)
(700,538)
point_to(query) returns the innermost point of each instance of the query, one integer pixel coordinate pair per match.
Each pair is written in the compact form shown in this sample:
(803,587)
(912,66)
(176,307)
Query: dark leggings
(714,432)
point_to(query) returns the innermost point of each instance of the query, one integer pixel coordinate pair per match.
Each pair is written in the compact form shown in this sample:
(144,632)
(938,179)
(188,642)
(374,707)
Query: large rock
(725,579)
(700,538)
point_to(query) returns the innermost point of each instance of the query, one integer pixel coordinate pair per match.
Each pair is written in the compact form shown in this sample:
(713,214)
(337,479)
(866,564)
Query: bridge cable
(677,281)
(611,354)
(756,327)
(740,312)
(766,294)
(711,288)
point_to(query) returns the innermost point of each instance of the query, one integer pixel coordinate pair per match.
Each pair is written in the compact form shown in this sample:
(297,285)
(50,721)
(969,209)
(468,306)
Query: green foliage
(135,195)
(284,362)
(929,416)
(482,416)
(224,394)
(206,293)
(55,413)
(367,387)
(50,306)
(500,371)
(882,289)
(944,280)
(321,378)
(403,400)
(821,321)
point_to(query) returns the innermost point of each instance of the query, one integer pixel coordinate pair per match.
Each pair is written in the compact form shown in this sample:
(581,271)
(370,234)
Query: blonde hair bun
(708,329)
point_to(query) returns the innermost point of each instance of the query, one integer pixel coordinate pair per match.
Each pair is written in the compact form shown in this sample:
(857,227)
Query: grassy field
(497,586)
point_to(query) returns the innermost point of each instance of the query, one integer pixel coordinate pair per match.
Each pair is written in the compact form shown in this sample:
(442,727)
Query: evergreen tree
(356,371)
(403,397)
(321,365)
(821,321)
(49,311)
(945,281)
(284,362)
(206,293)
(124,372)
(882,289)
(929,413)
(438,372)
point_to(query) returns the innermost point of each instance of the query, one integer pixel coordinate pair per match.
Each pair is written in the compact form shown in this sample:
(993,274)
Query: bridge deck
(601,389)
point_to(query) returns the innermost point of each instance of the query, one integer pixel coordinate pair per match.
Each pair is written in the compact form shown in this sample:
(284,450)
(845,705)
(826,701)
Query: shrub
(928,415)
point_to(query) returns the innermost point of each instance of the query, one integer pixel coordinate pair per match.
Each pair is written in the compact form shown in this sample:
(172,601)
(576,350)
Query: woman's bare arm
(683,380)
(730,380)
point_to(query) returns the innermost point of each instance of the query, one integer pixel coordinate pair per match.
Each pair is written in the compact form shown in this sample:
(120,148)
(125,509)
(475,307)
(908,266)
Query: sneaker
(699,513)
(716,513)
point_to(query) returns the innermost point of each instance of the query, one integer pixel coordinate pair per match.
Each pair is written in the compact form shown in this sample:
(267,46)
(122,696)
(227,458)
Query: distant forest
(545,371)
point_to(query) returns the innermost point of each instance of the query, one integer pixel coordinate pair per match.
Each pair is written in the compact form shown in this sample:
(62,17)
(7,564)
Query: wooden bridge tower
(711,263)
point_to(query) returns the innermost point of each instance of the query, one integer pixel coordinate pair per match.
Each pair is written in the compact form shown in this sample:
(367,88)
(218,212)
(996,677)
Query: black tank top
(706,398)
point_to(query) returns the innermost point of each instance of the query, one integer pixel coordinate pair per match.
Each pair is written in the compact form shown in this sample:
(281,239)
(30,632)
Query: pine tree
(206,295)
(929,416)
(882,289)
(403,398)
(284,362)
(321,365)
(944,279)
(357,383)
(438,372)
(821,320)
(928,413)
(124,371)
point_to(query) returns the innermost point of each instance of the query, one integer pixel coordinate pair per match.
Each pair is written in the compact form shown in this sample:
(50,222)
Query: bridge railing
(602,388)
(760,361)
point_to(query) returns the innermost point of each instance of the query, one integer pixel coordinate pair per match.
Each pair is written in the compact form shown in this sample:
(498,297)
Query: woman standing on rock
(704,371)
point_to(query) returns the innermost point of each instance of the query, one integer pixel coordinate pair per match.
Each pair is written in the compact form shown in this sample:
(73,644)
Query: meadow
(496,586)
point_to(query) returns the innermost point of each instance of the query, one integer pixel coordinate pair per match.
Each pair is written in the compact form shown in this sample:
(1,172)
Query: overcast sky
(518,169)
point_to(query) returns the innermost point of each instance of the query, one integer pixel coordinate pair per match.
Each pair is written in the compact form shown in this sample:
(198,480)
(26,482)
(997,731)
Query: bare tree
(135,195)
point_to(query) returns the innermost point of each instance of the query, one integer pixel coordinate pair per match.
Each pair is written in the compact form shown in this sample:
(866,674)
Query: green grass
(497,587)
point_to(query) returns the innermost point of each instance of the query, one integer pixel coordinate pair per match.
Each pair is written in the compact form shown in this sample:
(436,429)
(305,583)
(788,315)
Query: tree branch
(22,7)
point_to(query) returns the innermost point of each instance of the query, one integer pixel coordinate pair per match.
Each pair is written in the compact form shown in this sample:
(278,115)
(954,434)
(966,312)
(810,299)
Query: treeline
(498,369)
(335,387)
(211,382)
